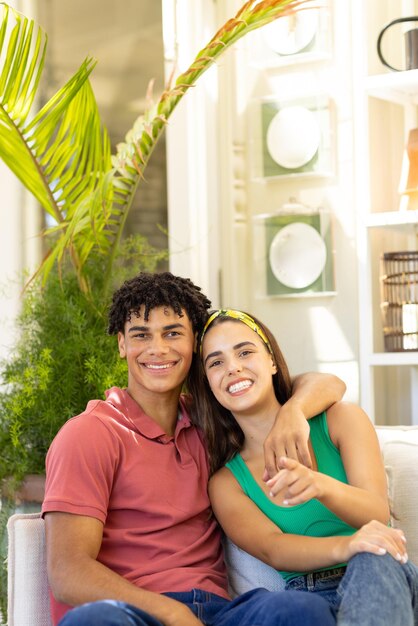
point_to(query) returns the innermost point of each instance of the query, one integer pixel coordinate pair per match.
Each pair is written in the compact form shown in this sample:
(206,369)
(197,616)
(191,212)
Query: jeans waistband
(327,573)
(318,579)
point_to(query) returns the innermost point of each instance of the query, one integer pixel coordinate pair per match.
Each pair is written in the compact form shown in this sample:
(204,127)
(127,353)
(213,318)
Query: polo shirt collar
(142,422)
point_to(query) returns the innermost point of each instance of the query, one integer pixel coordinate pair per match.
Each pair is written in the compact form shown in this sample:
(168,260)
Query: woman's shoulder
(221,478)
(343,410)
(347,417)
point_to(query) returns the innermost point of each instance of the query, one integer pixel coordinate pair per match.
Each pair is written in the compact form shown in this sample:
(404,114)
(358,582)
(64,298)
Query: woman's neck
(256,426)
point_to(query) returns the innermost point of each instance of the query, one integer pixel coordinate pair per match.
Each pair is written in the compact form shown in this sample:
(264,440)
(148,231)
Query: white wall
(19,244)
(192,151)
(10,256)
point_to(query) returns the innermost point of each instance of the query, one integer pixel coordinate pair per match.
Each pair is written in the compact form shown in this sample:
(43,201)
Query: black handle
(379,39)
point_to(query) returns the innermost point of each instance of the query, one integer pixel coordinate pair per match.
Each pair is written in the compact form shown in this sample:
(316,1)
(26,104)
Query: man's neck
(162,408)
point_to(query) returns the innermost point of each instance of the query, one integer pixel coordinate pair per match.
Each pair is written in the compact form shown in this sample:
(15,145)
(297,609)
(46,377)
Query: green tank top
(311,518)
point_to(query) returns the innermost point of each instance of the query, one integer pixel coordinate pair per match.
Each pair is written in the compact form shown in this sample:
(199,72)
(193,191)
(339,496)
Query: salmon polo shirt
(114,463)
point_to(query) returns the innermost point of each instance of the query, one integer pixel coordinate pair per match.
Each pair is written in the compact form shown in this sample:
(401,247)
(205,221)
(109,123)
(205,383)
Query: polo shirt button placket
(165,439)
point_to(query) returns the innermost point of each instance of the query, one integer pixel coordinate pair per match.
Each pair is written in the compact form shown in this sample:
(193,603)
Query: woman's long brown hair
(223,435)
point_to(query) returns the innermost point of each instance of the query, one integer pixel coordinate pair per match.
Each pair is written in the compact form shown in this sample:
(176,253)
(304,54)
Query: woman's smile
(239,386)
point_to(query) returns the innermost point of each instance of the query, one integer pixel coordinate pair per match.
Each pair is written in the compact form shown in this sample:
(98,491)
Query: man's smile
(159,366)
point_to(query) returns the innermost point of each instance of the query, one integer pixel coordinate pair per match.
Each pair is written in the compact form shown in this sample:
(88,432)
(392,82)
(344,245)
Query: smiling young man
(130,534)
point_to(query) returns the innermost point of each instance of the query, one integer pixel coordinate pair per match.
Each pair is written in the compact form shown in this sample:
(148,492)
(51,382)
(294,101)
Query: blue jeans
(258,607)
(373,591)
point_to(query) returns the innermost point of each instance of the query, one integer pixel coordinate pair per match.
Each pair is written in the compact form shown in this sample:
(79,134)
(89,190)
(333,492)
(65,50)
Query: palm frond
(62,152)
(19,78)
(133,155)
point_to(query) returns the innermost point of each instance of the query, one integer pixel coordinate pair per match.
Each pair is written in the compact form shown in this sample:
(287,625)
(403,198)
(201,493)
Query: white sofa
(27,580)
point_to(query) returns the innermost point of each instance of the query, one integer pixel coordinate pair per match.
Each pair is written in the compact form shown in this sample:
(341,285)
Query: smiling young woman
(324,528)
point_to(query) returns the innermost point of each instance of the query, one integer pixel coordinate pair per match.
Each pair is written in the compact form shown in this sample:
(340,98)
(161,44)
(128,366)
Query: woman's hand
(297,482)
(376,538)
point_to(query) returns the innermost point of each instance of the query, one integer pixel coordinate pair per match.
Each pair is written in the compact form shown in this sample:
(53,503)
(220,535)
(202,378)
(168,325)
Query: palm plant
(62,153)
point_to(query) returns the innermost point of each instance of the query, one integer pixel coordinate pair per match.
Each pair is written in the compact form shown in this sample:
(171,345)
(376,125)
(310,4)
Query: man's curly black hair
(153,290)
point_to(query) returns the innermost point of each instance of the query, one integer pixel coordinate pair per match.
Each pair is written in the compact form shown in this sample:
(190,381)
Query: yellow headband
(240,316)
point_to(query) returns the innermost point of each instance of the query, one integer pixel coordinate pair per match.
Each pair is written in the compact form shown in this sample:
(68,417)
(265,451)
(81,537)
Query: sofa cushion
(397,433)
(246,572)
(401,464)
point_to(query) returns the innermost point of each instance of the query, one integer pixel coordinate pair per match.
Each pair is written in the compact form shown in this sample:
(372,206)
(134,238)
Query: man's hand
(288,438)
(312,393)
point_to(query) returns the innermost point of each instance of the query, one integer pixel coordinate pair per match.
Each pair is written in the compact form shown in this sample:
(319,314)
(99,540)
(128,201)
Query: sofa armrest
(28,597)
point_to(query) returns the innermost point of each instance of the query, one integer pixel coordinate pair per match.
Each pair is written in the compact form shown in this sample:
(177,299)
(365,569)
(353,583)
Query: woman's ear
(195,344)
(274,367)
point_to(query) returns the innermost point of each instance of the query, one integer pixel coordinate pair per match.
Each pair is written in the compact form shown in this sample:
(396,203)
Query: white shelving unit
(385,109)
(398,87)
(392,219)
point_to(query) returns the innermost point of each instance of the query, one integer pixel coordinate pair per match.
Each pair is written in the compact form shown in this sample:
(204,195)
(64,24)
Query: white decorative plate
(291,34)
(293,137)
(297,255)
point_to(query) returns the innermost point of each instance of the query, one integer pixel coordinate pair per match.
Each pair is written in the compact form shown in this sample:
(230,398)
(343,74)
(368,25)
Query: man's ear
(121,344)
